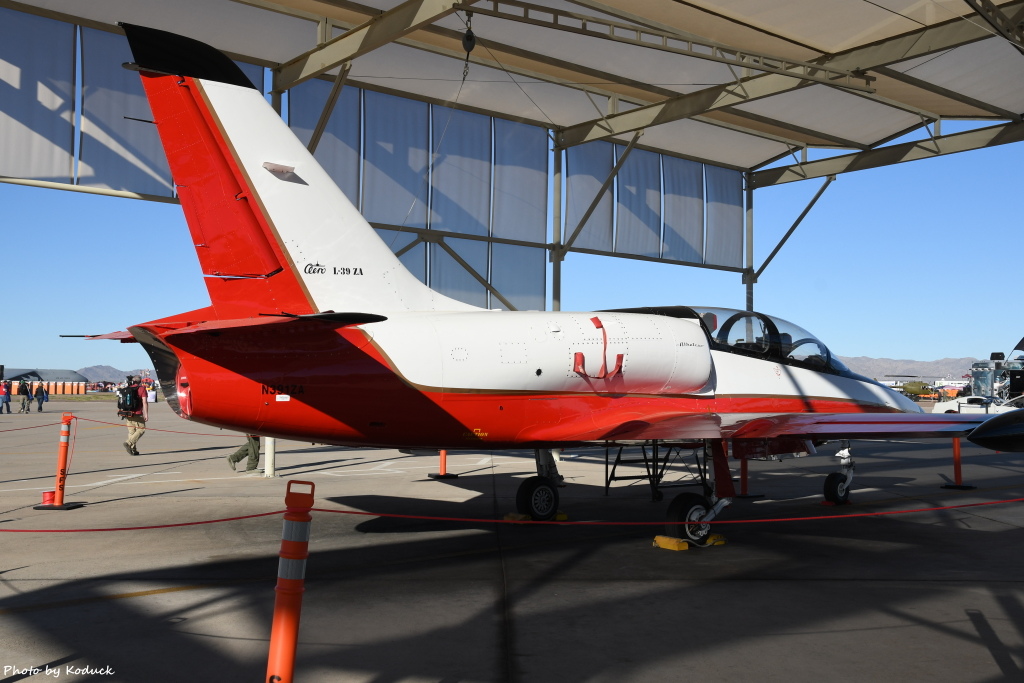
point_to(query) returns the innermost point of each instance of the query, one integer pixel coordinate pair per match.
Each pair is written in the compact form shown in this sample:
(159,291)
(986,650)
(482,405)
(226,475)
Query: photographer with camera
(133,407)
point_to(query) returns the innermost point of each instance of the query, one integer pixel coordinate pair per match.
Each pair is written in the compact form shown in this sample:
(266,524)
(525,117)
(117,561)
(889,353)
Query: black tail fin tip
(169,53)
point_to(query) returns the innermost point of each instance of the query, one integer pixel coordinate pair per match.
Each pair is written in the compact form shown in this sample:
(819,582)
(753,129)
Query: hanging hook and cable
(468,43)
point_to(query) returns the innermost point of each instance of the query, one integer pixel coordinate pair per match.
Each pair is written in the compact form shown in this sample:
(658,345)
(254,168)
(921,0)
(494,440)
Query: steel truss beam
(377,32)
(991,136)
(949,94)
(689,46)
(1008,27)
(520,62)
(437,237)
(559,250)
(796,224)
(325,115)
(906,46)
(85,189)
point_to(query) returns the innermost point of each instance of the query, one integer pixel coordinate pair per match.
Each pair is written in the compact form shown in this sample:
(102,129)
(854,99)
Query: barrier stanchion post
(958,482)
(62,470)
(443,468)
(743,482)
(291,580)
(269,457)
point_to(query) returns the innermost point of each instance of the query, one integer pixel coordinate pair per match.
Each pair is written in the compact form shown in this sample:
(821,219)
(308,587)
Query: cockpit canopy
(755,334)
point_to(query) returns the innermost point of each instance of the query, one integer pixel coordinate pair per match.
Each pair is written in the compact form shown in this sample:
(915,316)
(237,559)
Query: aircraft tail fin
(272,231)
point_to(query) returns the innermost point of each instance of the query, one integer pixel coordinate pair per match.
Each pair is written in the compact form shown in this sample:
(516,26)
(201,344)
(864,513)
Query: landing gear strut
(538,496)
(689,513)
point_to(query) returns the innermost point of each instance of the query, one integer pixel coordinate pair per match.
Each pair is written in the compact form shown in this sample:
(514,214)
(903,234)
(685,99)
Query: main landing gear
(689,514)
(537,496)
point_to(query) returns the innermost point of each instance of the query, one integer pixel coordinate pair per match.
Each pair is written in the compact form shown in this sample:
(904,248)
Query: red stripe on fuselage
(340,389)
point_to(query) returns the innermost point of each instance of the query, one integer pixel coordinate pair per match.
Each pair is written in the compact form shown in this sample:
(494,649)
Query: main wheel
(538,498)
(835,488)
(685,513)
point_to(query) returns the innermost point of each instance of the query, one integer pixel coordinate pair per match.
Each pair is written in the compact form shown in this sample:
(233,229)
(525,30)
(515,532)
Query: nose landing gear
(689,514)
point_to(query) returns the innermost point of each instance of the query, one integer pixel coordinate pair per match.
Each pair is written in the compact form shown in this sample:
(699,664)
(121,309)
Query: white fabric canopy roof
(897,66)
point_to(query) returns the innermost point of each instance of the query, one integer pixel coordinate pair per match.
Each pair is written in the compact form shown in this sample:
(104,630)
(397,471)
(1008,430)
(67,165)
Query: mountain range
(107,373)
(882,369)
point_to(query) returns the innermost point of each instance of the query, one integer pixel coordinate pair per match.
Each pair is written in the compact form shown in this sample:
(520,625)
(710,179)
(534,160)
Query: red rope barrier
(18,429)
(662,522)
(154,429)
(138,528)
(479,520)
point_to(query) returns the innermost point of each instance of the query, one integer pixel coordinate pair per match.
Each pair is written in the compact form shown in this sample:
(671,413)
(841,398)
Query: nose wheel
(686,518)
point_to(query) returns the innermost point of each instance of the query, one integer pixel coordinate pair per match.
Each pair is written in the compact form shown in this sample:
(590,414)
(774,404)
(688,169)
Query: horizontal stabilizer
(123,336)
(270,319)
(332,317)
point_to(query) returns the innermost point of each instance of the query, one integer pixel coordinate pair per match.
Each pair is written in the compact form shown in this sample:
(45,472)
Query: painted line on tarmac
(118,482)
(102,598)
(377,470)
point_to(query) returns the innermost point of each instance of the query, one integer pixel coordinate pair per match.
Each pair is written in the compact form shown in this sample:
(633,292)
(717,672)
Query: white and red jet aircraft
(317,332)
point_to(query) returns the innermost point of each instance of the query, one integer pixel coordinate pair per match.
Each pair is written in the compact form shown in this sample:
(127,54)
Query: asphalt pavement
(800,591)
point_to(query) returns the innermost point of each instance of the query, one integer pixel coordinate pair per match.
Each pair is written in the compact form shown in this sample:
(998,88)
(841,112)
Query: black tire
(835,488)
(684,514)
(538,498)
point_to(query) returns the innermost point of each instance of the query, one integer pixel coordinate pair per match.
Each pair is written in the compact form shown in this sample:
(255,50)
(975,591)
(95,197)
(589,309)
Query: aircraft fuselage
(493,378)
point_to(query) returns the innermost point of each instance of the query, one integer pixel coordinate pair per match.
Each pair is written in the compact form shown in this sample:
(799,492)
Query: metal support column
(749,278)
(557,255)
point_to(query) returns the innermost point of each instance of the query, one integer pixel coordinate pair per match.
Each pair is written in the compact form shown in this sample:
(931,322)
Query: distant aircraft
(317,332)
(919,389)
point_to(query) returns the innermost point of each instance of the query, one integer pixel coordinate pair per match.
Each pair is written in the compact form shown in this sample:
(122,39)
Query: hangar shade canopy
(739,84)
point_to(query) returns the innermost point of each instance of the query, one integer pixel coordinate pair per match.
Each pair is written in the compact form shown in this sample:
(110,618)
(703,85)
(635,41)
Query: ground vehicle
(979,404)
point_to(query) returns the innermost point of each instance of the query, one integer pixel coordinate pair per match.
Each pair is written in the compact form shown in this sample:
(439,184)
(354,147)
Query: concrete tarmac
(927,596)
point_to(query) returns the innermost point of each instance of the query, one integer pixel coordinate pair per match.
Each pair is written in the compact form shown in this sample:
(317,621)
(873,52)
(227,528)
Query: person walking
(5,396)
(26,397)
(250,449)
(132,406)
(41,396)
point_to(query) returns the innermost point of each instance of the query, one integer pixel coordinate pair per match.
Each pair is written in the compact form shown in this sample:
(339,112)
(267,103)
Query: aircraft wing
(858,425)
(795,426)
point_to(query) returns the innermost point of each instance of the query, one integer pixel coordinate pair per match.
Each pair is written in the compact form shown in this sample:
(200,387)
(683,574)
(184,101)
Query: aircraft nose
(1003,432)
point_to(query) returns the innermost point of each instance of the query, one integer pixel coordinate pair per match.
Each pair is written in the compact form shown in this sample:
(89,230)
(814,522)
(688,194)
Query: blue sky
(911,261)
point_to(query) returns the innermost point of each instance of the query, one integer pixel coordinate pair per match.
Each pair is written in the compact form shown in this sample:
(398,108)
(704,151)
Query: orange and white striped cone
(291,584)
(62,470)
